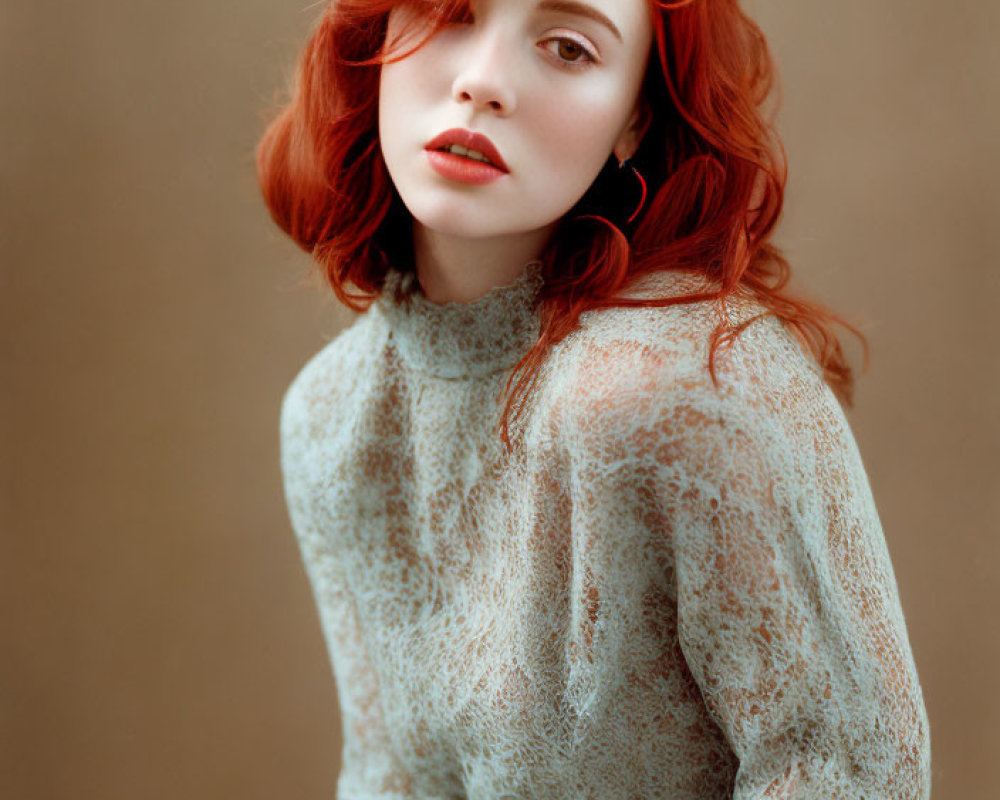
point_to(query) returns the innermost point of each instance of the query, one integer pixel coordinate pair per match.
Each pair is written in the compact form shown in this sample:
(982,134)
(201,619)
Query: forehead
(615,15)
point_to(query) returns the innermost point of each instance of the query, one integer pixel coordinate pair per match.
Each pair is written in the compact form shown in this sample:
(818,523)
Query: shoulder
(329,381)
(639,378)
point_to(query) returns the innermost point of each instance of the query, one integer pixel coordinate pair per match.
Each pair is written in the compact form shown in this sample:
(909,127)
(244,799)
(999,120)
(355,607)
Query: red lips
(470,141)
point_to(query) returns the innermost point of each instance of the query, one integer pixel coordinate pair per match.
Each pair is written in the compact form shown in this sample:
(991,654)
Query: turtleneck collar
(462,340)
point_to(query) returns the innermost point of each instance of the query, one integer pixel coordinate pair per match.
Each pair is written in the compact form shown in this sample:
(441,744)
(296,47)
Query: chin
(457,216)
(458,229)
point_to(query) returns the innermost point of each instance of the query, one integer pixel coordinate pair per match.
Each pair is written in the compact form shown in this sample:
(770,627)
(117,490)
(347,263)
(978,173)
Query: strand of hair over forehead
(712,164)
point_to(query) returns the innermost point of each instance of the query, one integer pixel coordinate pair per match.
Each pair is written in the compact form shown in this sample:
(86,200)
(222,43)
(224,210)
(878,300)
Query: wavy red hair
(713,166)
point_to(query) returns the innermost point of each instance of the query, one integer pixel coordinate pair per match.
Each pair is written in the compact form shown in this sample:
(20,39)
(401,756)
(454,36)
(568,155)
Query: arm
(788,611)
(787,607)
(369,768)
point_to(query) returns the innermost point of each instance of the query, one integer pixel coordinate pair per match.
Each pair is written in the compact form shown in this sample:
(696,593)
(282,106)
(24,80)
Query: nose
(485,78)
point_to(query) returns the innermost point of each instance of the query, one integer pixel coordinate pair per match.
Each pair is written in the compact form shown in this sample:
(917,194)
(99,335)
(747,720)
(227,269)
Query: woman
(652,566)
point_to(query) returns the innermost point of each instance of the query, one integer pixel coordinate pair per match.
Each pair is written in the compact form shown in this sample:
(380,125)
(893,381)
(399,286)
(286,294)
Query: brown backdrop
(160,639)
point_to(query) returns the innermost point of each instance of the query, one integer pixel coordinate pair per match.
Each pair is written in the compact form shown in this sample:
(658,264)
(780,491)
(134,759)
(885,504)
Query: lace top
(668,590)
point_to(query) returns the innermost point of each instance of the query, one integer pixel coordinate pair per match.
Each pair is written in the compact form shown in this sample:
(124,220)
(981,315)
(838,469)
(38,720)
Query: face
(555,90)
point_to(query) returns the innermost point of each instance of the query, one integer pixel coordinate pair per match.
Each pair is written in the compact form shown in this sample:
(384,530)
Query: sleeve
(788,609)
(369,768)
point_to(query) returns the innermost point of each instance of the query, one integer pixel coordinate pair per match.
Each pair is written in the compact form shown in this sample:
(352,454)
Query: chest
(497,600)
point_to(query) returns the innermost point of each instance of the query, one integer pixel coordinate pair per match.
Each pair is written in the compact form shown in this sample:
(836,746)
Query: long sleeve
(787,608)
(369,768)
(788,612)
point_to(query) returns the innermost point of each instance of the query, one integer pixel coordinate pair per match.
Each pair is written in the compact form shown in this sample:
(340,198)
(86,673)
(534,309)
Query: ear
(637,126)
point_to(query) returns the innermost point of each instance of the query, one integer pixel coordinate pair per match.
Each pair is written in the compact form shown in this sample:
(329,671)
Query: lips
(470,141)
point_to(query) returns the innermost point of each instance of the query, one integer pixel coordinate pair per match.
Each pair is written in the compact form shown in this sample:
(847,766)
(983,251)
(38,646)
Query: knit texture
(668,590)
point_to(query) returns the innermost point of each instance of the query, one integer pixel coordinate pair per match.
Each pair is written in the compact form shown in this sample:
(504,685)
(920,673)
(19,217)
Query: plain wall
(160,638)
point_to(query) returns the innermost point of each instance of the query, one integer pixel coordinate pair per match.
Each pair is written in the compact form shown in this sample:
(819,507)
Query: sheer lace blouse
(667,591)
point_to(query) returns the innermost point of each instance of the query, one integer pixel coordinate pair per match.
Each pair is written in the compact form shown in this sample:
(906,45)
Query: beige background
(160,639)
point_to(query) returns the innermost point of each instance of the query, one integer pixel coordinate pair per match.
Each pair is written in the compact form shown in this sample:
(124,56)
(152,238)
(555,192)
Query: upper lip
(470,140)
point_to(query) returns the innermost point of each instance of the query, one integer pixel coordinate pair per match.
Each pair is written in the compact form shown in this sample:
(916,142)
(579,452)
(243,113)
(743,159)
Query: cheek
(399,92)
(408,92)
(392,82)
(579,127)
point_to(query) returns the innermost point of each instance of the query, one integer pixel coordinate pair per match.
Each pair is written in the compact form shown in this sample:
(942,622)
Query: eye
(572,53)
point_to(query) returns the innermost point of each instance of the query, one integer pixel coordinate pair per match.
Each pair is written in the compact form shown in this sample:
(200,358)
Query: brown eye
(569,50)
(570,53)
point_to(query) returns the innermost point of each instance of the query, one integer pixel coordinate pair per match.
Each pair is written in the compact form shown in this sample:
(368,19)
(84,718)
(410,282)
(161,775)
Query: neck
(461,270)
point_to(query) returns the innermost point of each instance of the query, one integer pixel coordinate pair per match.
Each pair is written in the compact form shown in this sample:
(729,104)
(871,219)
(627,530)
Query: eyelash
(589,57)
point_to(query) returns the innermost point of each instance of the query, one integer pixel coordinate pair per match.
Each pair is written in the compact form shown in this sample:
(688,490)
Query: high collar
(462,340)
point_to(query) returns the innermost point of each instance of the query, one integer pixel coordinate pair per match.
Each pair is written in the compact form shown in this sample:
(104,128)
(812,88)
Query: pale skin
(554,115)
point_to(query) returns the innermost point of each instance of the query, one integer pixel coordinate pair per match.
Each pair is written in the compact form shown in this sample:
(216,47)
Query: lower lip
(462,169)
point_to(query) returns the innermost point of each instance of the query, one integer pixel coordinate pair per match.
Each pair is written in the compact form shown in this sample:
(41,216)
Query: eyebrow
(582,10)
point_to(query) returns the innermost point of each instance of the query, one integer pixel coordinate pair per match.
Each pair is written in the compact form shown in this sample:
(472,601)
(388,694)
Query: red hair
(713,167)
